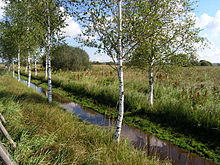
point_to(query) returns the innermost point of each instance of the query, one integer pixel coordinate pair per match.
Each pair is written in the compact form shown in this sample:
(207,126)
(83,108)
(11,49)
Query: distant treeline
(194,63)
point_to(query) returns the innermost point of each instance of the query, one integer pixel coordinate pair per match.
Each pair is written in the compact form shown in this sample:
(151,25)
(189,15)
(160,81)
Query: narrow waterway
(140,139)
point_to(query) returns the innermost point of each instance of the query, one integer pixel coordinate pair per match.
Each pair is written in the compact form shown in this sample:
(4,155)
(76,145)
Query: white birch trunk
(48,57)
(46,68)
(120,76)
(151,87)
(18,64)
(35,65)
(29,71)
(13,68)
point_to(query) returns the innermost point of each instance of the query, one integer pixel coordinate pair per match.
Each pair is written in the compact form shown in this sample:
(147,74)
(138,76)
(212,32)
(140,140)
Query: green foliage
(24,26)
(166,34)
(66,57)
(205,63)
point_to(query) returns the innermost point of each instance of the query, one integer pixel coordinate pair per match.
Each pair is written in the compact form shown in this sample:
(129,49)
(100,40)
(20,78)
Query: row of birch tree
(28,29)
(150,31)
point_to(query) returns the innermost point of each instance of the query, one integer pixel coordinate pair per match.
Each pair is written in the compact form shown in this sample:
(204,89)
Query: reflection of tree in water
(150,143)
(140,139)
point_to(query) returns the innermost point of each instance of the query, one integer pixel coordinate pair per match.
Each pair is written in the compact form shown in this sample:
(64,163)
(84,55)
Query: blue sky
(207,14)
(208,18)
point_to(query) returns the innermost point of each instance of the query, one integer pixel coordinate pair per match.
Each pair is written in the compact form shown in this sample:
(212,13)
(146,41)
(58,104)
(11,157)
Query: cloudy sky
(208,18)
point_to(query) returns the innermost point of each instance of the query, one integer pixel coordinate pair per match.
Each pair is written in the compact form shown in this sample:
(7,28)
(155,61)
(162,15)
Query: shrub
(205,63)
(66,57)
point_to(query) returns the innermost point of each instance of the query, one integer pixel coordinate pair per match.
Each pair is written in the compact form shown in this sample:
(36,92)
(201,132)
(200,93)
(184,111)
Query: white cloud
(100,58)
(211,30)
(72,29)
(212,55)
(209,23)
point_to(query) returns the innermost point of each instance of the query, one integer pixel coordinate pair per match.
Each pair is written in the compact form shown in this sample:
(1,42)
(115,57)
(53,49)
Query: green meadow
(46,134)
(186,101)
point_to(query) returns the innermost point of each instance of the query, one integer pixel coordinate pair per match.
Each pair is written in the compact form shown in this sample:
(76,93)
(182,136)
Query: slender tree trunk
(35,65)
(48,57)
(9,67)
(151,87)
(29,71)
(13,68)
(46,68)
(18,63)
(121,79)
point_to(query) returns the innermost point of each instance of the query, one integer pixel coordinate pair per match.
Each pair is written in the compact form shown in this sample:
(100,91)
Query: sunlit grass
(46,134)
(186,101)
(195,88)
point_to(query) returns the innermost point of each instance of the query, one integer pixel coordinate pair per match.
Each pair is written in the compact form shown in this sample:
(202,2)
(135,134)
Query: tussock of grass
(45,134)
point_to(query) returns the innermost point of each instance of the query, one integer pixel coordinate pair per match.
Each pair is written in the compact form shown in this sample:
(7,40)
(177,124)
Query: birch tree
(52,20)
(107,27)
(166,29)
(7,45)
(14,12)
(36,16)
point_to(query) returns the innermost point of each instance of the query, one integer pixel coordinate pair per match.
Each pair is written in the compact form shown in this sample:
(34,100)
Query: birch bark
(29,71)
(35,65)
(13,68)
(48,57)
(120,76)
(18,64)
(151,87)
(46,68)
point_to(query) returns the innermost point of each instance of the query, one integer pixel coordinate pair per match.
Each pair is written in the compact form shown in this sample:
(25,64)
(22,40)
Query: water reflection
(140,139)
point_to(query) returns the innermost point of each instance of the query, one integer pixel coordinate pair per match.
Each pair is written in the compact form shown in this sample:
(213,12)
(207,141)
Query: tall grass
(45,134)
(186,101)
(192,93)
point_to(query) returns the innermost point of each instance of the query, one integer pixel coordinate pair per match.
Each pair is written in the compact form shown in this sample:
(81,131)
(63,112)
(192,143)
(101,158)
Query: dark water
(140,139)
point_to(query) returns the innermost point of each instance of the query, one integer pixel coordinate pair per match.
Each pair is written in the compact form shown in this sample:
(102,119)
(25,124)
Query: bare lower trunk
(46,68)
(35,65)
(121,80)
(18,64)
(29,72)
(13,68)
(48,57)
(151,89)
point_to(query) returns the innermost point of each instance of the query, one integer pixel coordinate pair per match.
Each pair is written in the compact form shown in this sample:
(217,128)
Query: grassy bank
(46,134)
(186,110)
